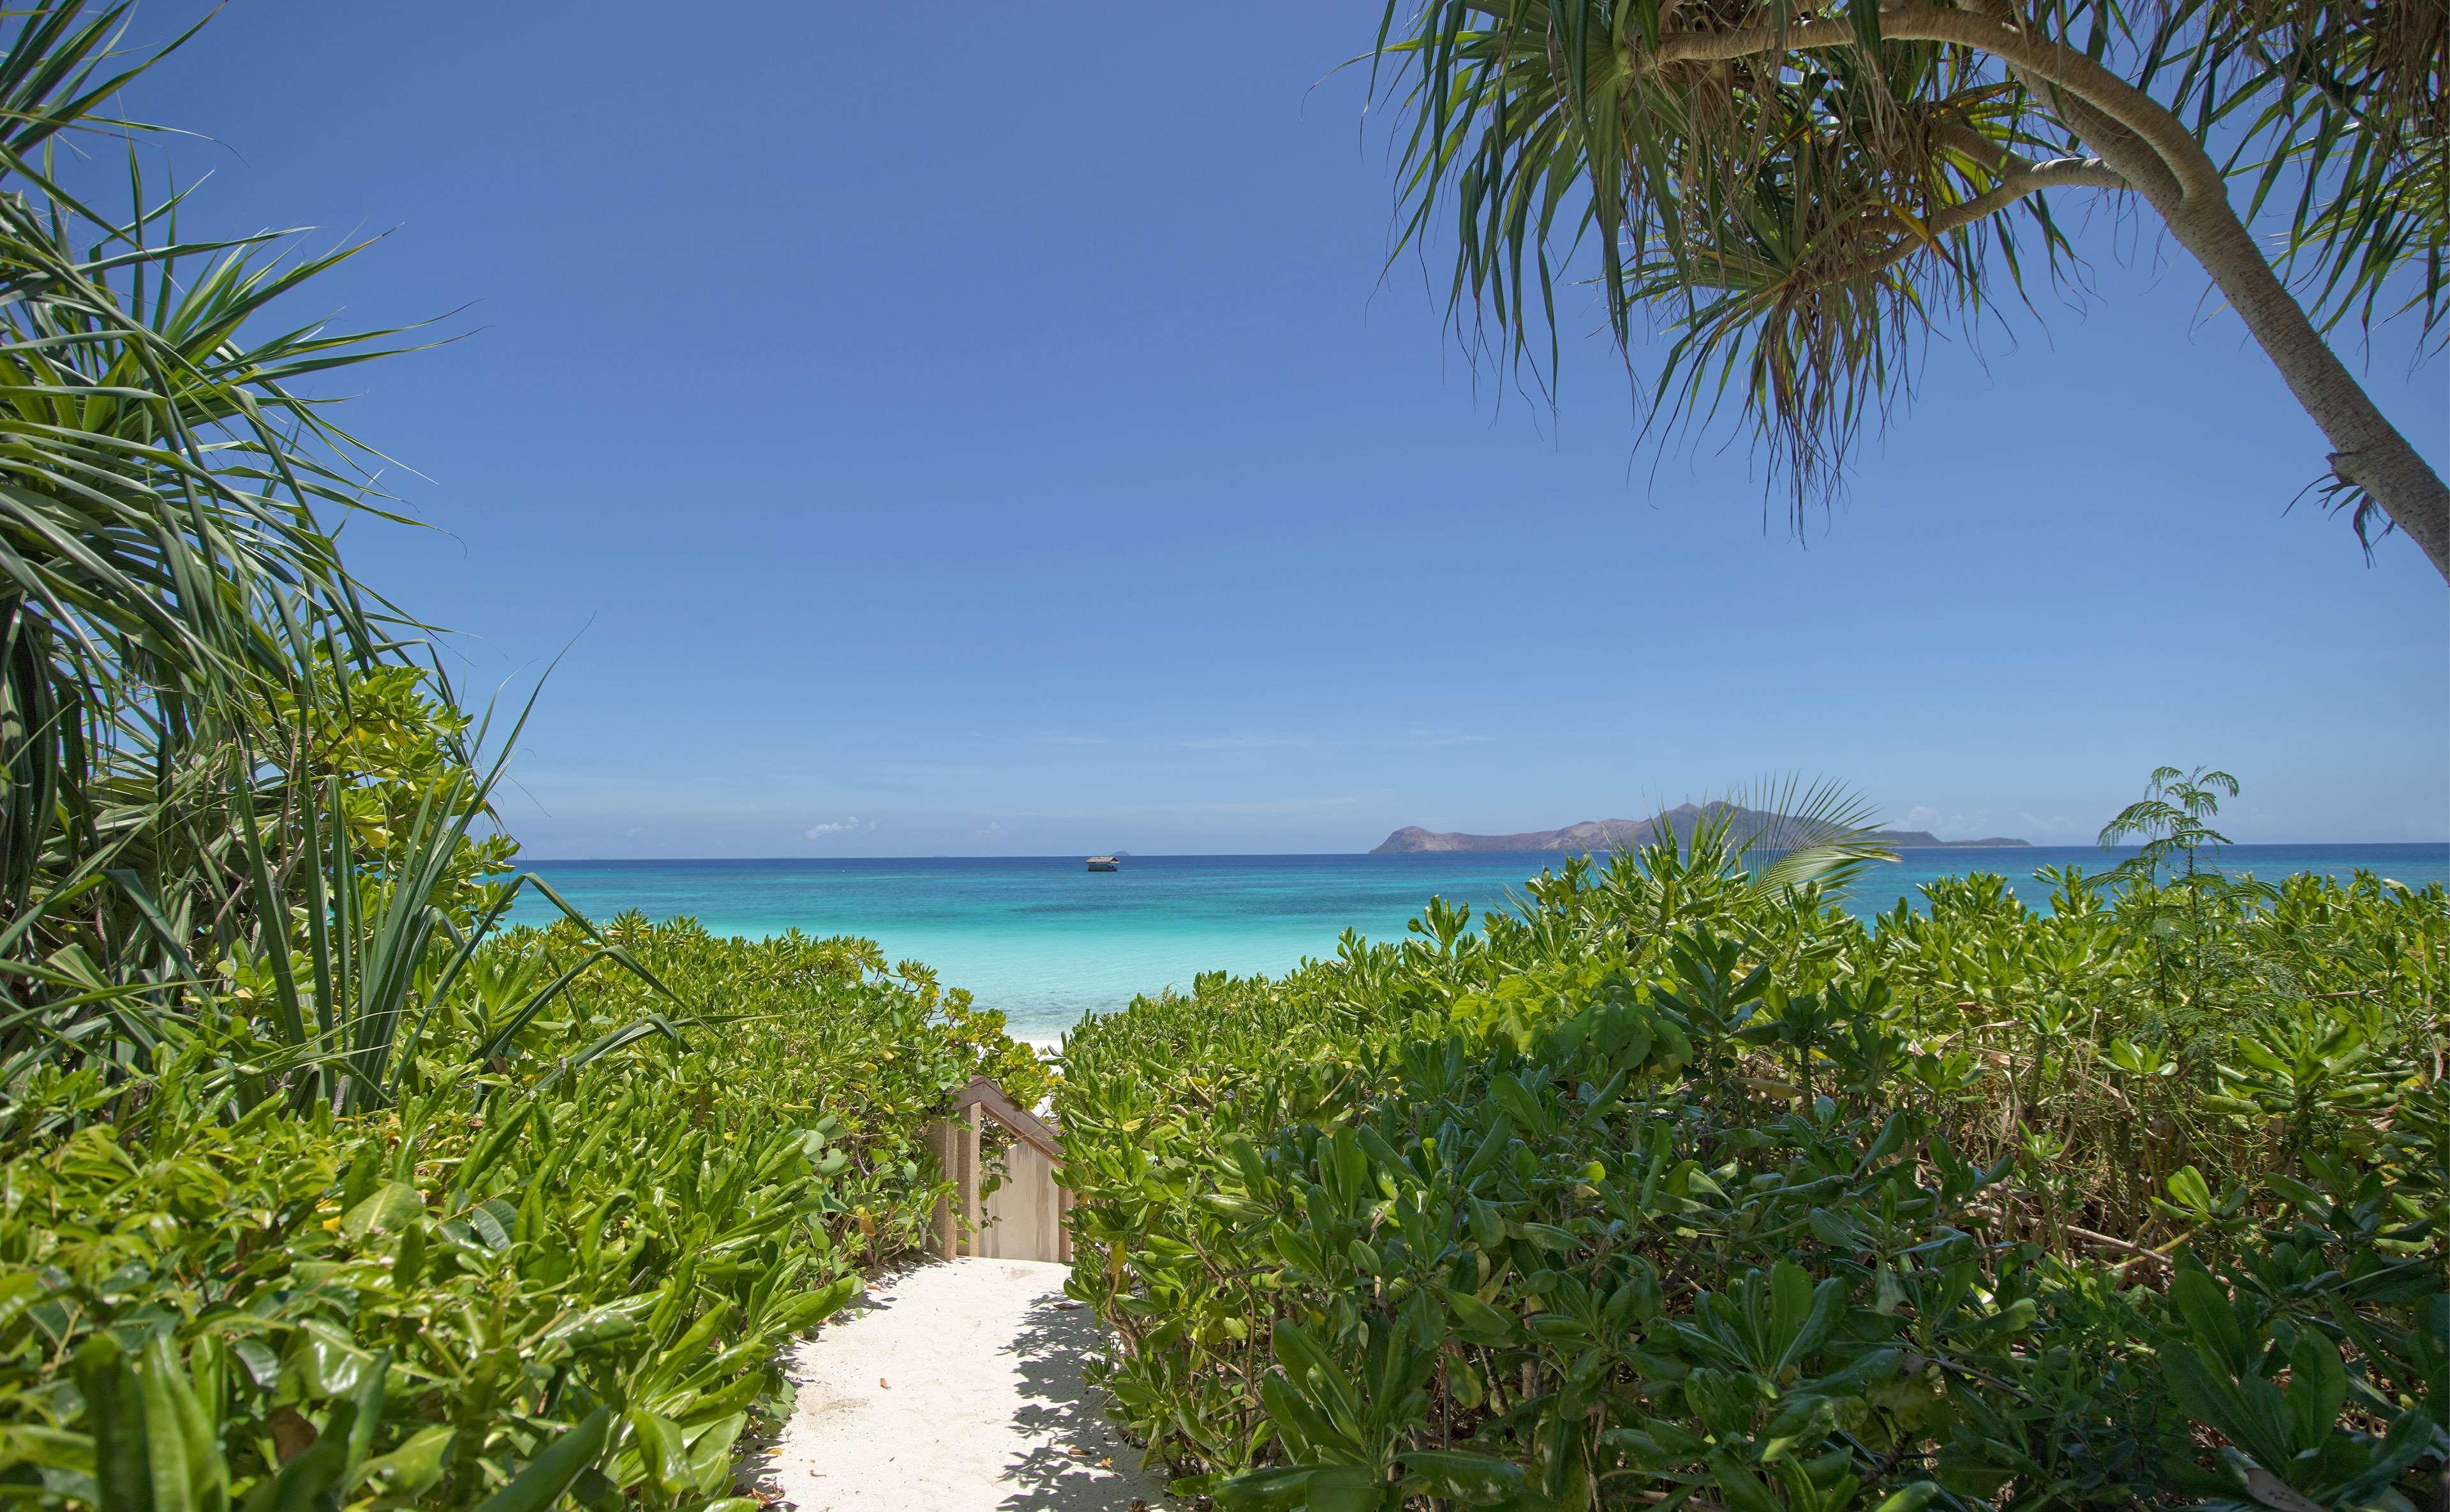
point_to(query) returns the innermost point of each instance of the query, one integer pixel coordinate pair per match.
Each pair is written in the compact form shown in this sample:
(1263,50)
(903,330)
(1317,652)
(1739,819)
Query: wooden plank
(1024,1219)
(939,1145)
(973,1213)
(984,1094)
(943,1141)
(1023,1214)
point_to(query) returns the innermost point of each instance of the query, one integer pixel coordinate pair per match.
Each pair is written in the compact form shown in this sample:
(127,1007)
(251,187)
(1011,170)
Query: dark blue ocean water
(1046,940)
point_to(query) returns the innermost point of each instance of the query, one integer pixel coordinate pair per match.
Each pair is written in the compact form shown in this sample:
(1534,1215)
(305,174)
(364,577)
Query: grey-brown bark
(2153,153)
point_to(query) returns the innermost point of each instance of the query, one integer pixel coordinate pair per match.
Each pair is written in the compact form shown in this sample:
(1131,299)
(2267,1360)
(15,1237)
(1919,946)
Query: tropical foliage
(222,762)
(1673,1190)
(533,1272)
(319,1188)
(1798,193)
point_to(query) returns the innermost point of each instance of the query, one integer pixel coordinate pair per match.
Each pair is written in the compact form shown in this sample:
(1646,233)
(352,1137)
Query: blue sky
(945,430)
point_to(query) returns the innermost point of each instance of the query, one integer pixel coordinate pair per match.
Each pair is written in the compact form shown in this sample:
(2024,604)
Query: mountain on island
(1623,834)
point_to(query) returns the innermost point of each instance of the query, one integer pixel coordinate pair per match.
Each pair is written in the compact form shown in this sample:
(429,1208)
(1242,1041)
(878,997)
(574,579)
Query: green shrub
(520,1281)
(313,1192)
(1669,1189)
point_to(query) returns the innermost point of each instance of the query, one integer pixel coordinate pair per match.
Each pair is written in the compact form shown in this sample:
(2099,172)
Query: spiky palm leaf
(1798,193)
(173,608)
(160,553)
(1792,832)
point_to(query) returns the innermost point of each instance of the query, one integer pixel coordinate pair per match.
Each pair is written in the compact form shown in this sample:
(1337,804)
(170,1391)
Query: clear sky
(964,428)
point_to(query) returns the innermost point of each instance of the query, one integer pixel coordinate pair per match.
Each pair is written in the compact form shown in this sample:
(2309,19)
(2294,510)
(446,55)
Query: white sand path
(956,1388)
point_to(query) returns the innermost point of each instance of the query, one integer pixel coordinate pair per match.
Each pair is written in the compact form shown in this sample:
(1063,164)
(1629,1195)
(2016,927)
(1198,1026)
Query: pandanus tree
(1795,193)
(163,567)
(221,779)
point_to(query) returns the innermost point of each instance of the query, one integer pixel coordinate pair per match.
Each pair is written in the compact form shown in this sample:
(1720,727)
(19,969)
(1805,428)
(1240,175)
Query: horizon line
(1213,855)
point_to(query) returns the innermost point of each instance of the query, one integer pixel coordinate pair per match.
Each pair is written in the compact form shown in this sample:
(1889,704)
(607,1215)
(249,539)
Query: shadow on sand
(1085,1464)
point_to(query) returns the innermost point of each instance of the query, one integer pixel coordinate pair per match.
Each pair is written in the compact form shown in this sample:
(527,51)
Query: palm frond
(1786,221)
(1820,834)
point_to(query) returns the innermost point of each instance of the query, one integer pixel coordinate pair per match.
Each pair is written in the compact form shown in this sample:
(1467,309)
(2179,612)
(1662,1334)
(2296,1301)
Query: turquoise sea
(1046,940)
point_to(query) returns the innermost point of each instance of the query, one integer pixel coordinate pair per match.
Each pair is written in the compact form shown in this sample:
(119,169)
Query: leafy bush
(536,1274)
(315,1190)
(1678,1189)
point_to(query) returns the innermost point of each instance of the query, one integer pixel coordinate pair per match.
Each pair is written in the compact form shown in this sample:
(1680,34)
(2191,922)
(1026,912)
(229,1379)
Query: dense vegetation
(318,1188)
(530,1273)
(1683,1187)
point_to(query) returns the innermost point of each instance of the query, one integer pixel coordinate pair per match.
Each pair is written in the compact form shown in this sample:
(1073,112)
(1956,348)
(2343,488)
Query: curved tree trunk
(2138,138)
(2366,450)
(2161,159)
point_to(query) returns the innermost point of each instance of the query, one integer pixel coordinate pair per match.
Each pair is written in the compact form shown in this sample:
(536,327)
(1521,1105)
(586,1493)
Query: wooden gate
(1022,1219)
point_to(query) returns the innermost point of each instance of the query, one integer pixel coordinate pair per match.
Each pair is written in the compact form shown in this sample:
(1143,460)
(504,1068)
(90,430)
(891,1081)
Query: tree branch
(2121,148)
(2147,147)
(2193,173)
(2012,166)
(2032,178)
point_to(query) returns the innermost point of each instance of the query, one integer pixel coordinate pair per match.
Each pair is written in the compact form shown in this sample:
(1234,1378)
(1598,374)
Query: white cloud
(1920,816)
(842,826)
(1243,742)
(1160,811)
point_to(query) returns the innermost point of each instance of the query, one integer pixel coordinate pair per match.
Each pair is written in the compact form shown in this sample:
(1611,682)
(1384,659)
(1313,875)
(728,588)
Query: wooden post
(942,1139)
(1034,1199)
(973,1206)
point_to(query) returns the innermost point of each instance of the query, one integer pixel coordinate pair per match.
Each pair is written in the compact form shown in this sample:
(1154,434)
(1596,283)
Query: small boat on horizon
(1104,863)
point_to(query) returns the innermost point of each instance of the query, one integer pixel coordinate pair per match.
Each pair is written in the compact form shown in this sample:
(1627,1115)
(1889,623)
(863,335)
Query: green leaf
(1349,1488)
(2199,1392)
(1475,1479)
(493,1219)
(329,1367)
(114,1407)
(1476,1320)
(183,1453)
(304,1485)
(412,1469)
(710,1452)
(2209,1320)
(547,1475)
(662,1452)
(1740,1489)
(1550,1237)
(2192,1192)
(52,1448)
(1274,1490)
(2318,1389)
(1912,1497)
(1801,1423)
(262,1366)
(1865,16)
(1823,1312)
(394,1205)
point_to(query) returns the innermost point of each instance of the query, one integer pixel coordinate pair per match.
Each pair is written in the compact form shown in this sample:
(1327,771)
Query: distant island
(1623,833)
